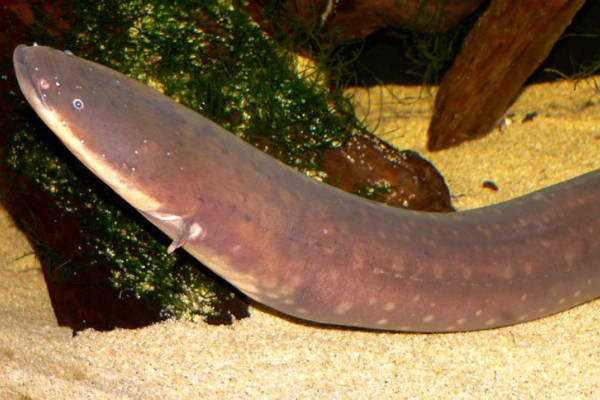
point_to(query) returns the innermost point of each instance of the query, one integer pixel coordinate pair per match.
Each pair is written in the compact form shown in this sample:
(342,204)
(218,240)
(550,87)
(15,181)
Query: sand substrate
(266,356)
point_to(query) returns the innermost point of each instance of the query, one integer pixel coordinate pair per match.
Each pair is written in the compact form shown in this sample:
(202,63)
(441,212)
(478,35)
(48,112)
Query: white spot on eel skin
(524,297)
(438,271)
(343,307)
(428,318)
(449,328)
(467,273)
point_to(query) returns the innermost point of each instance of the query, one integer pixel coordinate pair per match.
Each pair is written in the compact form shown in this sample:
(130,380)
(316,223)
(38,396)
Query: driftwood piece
(359,18)
(354,19)
(397,178)
(505,46)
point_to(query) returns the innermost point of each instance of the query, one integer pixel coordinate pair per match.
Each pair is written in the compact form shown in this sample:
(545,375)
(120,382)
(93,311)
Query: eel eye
(78,104)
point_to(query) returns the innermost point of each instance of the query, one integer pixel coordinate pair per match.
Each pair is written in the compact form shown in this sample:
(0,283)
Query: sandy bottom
(267,356)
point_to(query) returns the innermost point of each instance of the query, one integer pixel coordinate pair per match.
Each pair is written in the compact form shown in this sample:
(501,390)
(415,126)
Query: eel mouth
(19,63)
(29,88)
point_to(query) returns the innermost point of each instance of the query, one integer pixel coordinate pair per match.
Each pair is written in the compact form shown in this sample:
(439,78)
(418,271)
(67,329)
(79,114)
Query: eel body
(302,247)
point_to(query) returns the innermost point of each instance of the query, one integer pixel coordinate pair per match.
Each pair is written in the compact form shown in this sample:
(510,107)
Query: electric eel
(305,248)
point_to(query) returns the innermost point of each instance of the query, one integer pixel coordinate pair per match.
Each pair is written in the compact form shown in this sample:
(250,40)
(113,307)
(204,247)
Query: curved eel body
(305,248)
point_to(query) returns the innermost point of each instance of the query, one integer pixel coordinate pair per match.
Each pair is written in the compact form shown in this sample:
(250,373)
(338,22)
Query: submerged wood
(399,178)
(342,20)
(504,48)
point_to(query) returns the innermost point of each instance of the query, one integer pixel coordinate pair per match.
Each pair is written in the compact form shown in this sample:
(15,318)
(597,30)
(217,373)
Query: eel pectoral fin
(181,239)
(185,228)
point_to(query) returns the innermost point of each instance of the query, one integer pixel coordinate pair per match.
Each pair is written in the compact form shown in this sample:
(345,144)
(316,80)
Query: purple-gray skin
(305,248)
